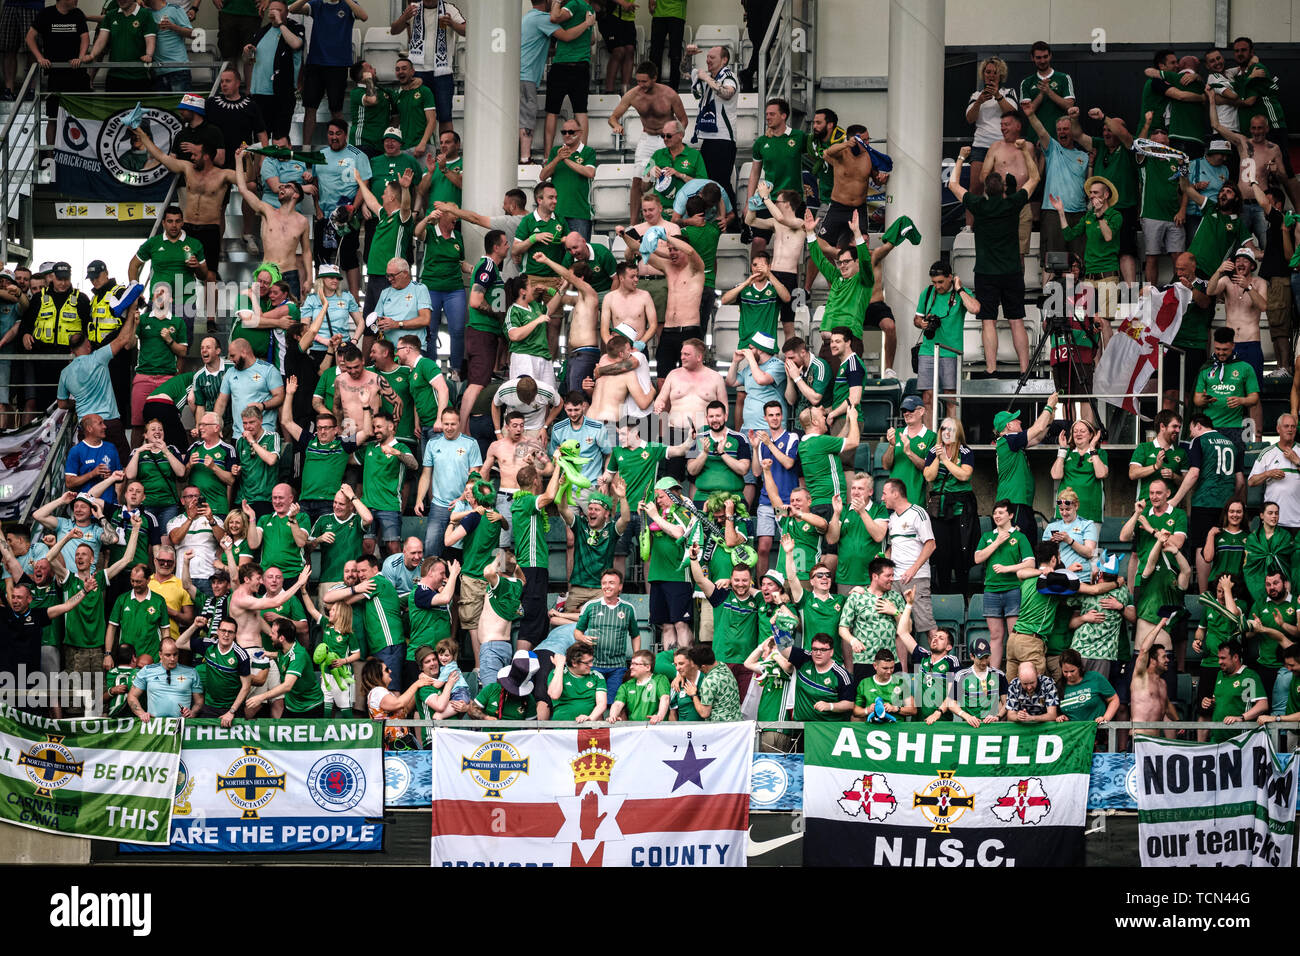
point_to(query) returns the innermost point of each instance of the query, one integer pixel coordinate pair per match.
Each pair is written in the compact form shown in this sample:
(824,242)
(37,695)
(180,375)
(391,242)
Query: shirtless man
(687,391)
(785,222)
(656,103)
(1261,159)
(582,344)
(511,451)
(206,188)
(652,279)
(684,270)
(851,165)
(246,611)
(356,392)
(617,380)
(286,233)
(1148,693)
(1245,296)
(1006,159)
(628,305)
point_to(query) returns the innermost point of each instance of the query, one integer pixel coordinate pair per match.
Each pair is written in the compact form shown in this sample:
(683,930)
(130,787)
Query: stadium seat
(732,261)
(692,107)
(641,602)
(1109,539)
(949,611)
(878,460)
(609,191)
(556,566)
(974,630)
(600,239)
(749,120)
(713,34)
(911,388)
(862,457)
(529,175)
(599,136)
(1194,610)
(617,246)
(975,610)
(1184,703)
(381,51)
(726,333)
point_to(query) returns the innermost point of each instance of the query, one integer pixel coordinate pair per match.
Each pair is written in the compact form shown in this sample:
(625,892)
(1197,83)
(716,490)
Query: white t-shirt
(630,408)
(908,534)
(198,538)
(1286,490)
(535,412)
(1220,82)
(988,122)
(435,52)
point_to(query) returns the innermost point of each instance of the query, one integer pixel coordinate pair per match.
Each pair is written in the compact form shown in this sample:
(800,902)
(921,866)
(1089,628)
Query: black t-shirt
(60,33)
(204,134)
(1274,263)
(20,639)
(240,122)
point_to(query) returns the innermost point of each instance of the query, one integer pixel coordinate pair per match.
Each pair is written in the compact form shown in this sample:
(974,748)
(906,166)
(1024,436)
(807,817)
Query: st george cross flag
(667,795)
(1134,351)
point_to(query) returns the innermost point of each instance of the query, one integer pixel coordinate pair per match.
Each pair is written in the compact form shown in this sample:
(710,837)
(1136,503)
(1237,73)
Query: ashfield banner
(94,152)
(1225,804)
(103,778)
(266,786)
(949,795)
(669,795)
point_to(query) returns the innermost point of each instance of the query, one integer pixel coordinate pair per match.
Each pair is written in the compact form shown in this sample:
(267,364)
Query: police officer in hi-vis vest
(104,326)
(52,318)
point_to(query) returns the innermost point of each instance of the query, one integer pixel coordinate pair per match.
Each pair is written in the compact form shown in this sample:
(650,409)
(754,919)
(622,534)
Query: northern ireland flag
(1134,351)
(667,795)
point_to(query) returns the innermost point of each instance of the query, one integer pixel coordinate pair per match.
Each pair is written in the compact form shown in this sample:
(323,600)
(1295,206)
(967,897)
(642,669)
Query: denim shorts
(387,526)
(766,519)
(492,656)
(1002,604)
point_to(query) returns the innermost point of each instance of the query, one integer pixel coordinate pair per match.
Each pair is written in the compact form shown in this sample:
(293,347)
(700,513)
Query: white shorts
(766,522)
(646,147)
(259,660)
(342,699)
(541,370)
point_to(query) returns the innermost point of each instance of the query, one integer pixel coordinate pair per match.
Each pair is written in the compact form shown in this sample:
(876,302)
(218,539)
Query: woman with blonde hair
(236,526)
(954,513)
(339,636)
(342,314)
(988,104)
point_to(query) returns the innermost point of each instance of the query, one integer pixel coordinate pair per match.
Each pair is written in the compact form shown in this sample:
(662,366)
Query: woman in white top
(985,110)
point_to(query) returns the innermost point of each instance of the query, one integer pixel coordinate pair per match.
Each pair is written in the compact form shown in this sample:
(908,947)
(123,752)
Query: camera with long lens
(1055,265)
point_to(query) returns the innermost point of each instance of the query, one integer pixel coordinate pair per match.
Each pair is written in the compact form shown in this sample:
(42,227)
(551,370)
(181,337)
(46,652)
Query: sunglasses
(1062,502)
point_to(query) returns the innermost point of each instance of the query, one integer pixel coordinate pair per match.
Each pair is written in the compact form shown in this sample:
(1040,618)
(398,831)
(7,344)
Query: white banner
(1224,804)
(669,795)
(276,785)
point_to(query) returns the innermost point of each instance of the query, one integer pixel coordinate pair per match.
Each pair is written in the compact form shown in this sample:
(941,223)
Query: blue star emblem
(689,767)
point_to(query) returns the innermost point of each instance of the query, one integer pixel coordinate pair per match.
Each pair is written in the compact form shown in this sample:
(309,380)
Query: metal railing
(1283,737)
(785,67)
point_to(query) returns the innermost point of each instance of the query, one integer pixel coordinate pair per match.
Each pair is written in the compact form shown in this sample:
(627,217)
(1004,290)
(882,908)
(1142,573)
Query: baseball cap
(193,103)
(776,576)
(1219,146)
(62,270)
(327,269)
(1002,419)
(667,483)
(96,267)
(43,269)
(912,403)
(980,647)
(1245,252)
(764,341)
(393,133)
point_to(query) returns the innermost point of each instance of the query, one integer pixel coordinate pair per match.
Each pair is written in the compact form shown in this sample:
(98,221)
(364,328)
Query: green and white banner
(279,785)
(1225,804)
(103,778)
(949,795)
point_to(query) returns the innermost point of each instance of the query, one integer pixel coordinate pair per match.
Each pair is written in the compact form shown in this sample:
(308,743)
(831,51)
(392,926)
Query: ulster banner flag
(669,795)
(1134,351)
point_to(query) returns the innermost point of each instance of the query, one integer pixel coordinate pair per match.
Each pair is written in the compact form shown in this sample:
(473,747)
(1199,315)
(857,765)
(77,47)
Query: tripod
(1057,324)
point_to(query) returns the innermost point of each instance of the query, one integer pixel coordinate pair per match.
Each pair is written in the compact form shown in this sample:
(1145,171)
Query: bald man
(1032,698)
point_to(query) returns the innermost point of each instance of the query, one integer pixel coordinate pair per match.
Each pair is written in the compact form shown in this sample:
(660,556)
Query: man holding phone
(196,529)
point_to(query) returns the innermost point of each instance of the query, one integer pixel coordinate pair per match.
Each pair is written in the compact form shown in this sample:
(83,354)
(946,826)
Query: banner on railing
(1223,804)
(106,778)
(95,154)
(112,211)
(950,795)
(667,795)
(270,786)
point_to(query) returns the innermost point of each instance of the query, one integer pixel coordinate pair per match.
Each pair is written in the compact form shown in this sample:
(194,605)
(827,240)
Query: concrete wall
(21,845)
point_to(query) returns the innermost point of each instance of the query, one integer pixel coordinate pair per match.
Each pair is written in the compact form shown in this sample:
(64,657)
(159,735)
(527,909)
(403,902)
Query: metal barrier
(1283,737)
